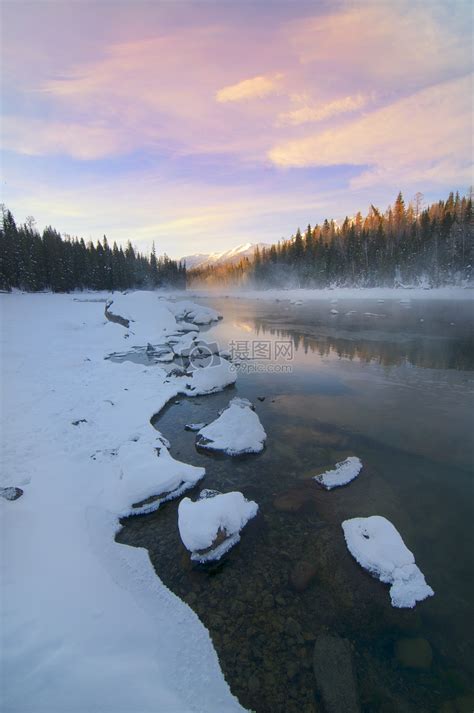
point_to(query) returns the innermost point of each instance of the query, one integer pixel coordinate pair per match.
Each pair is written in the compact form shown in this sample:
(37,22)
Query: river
(391,382)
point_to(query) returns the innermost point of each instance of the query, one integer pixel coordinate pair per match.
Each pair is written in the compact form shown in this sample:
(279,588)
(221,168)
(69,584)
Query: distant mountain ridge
(228,256)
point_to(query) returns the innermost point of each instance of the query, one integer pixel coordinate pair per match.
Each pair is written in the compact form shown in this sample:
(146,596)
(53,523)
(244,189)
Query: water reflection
(428,352)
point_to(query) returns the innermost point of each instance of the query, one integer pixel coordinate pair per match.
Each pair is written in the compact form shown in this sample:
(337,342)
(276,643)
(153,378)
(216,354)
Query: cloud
(255,88)
(399,46)
(36,137)
(307,114)
(147,95)
(164,90)
(426,134)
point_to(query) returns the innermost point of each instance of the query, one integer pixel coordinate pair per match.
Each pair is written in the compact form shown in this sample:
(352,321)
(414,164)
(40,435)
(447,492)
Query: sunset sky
(202,125)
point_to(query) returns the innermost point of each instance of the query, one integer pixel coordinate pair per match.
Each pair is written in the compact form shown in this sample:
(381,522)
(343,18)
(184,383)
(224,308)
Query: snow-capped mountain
(234,255)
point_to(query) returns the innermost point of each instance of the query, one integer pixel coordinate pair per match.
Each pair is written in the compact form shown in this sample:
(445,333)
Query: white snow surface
(150,317)
(147,470)
(345,471)
(86,623)
(237,430)
(199,522)
(210,379)
(378,547)
(192,312)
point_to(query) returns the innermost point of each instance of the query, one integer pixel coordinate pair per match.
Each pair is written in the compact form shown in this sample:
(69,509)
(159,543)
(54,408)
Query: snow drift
(192,312)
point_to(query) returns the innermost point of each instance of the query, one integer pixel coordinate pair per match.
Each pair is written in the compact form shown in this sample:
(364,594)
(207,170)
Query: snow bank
(378,547)
(149,317)
(193,312)
(237,430)
(86,623)
(210,526)
(343,473)
(149,471)
(210,379)
(183,343)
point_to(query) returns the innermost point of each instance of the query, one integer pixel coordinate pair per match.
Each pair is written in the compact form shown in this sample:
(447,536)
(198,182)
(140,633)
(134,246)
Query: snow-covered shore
(86,624)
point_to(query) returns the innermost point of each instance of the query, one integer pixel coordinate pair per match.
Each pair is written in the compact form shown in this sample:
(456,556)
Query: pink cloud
(425,133)
(308,113)
(256,87)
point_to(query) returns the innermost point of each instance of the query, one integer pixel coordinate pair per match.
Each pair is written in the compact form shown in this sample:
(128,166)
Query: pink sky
(203,125)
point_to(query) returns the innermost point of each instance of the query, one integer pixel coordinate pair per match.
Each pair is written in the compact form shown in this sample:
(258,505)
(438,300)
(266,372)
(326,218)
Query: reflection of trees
(427,353)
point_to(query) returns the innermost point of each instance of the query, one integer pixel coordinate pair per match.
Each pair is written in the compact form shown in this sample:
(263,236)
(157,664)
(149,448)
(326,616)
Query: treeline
(32,261)
(410,245)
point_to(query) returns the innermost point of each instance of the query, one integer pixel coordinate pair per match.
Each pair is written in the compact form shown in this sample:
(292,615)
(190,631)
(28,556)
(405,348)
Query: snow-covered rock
(210,379)
(210,526)
(149,473)
(194,426)
(192,312)
(182,344)
(237,430)
(378,547)
(345,471)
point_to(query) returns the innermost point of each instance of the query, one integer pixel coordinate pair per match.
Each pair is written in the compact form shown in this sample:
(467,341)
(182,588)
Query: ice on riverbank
(378,547)
(192,312)
(87,620)
(148,477)
(194,426)
(237,430)
(210,379)
(209,527)
(345,471)
(182,344)
(145,318)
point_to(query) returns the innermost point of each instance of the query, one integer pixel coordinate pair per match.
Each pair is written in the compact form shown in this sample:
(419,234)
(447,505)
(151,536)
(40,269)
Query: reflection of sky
(205,125)
(434,343)
(375,392)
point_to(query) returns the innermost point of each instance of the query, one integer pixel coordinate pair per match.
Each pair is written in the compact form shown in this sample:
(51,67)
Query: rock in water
(194,426)
(302,574)
(378,547)
(237,430)
(334,672)
(210,526)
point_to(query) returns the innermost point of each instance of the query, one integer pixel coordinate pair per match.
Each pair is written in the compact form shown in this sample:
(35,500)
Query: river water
(391,382)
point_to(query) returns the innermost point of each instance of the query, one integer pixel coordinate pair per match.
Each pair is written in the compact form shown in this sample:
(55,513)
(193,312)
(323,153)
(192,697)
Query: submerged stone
(302,574)
(334,672)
